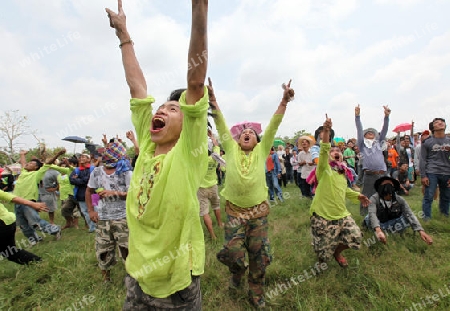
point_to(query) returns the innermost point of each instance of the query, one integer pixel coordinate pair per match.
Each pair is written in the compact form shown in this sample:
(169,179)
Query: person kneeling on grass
(391,213)
(333,229)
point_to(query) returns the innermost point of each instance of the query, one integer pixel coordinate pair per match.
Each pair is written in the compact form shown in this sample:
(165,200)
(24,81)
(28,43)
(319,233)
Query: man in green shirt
(245,191)
(166,247)
(27,188)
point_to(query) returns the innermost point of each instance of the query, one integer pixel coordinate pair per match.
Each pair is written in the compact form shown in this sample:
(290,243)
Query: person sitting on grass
(245,192)
(162,204)
(402,177)
(391,213)
(8,247)
(332,226)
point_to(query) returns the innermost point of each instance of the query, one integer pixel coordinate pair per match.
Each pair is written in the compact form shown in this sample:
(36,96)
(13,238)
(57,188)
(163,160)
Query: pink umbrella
(403,127)
(237,129)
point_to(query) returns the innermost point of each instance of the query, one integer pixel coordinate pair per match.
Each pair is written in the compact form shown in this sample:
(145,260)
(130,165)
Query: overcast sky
(60,63)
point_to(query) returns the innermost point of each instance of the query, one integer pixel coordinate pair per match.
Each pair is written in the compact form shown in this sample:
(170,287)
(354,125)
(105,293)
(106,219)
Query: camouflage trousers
(328,234)
(249,235)
(70,208)
(186,299)
(110,233)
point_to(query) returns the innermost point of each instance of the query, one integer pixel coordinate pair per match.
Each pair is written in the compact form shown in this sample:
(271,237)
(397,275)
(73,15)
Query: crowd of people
(150,207)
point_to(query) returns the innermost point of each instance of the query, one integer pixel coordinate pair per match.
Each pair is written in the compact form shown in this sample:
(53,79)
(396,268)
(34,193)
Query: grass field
(405,274)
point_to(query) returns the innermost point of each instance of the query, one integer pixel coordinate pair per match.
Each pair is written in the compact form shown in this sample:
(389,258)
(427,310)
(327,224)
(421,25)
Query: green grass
(380,277)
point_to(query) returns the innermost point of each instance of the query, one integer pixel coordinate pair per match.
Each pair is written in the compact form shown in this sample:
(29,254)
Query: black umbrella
(76,140)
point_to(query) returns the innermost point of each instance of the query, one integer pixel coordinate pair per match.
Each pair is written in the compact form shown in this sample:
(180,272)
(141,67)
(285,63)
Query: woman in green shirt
(245,191)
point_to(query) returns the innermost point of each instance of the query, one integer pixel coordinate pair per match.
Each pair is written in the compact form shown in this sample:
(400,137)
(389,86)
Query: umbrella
(278,142)
(338,140)
(403,127)
(237,129)
(76,140)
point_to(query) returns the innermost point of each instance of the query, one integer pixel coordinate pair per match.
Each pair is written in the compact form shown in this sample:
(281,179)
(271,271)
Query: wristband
(126,42)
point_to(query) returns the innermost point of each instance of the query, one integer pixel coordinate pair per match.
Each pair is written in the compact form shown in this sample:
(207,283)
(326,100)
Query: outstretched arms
(133,72)
(198,52)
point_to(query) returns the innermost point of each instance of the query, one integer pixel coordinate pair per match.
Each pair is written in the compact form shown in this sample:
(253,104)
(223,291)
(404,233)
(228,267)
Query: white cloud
(324,46)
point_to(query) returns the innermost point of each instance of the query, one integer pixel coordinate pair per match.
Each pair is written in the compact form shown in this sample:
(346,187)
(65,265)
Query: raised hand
(357,111)
(212,95)
(104,140)
(387,111)
(118,21)
(288,93)
(327,124)
(130,135)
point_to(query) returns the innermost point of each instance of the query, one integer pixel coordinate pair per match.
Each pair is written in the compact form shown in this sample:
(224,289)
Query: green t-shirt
(210,178)
(165,234)
(332,190)
(65,187)
(246,179)
(350,153)
(27,183)
(5,215)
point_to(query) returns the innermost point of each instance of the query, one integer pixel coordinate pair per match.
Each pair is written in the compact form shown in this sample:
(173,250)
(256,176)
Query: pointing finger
(119,4)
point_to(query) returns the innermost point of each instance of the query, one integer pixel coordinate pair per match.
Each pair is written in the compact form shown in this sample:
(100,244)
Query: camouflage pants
(187,299)
(69,207)
(249,235)
(110,233)
(328,234)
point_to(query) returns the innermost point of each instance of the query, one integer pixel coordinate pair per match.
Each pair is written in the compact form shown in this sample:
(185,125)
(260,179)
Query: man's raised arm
(133,72)
(198,52)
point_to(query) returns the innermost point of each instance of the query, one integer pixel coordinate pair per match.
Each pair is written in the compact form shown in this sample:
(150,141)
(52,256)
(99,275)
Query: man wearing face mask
(371,147)
(390,213)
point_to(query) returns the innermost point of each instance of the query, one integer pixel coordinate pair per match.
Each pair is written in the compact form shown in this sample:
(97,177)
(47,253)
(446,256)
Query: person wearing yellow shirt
(8,248)
(26,187)
(245,192)
(166,246)
(209,191)
(332,226)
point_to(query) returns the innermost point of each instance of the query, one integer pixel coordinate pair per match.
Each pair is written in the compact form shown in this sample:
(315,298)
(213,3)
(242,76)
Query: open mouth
(337,157)
(246,139)
(158,124)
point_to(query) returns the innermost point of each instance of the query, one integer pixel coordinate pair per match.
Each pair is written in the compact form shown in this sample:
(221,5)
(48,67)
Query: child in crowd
(332,226)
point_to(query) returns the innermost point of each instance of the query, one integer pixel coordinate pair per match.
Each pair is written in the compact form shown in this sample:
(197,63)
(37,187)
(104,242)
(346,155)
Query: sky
(60,64)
